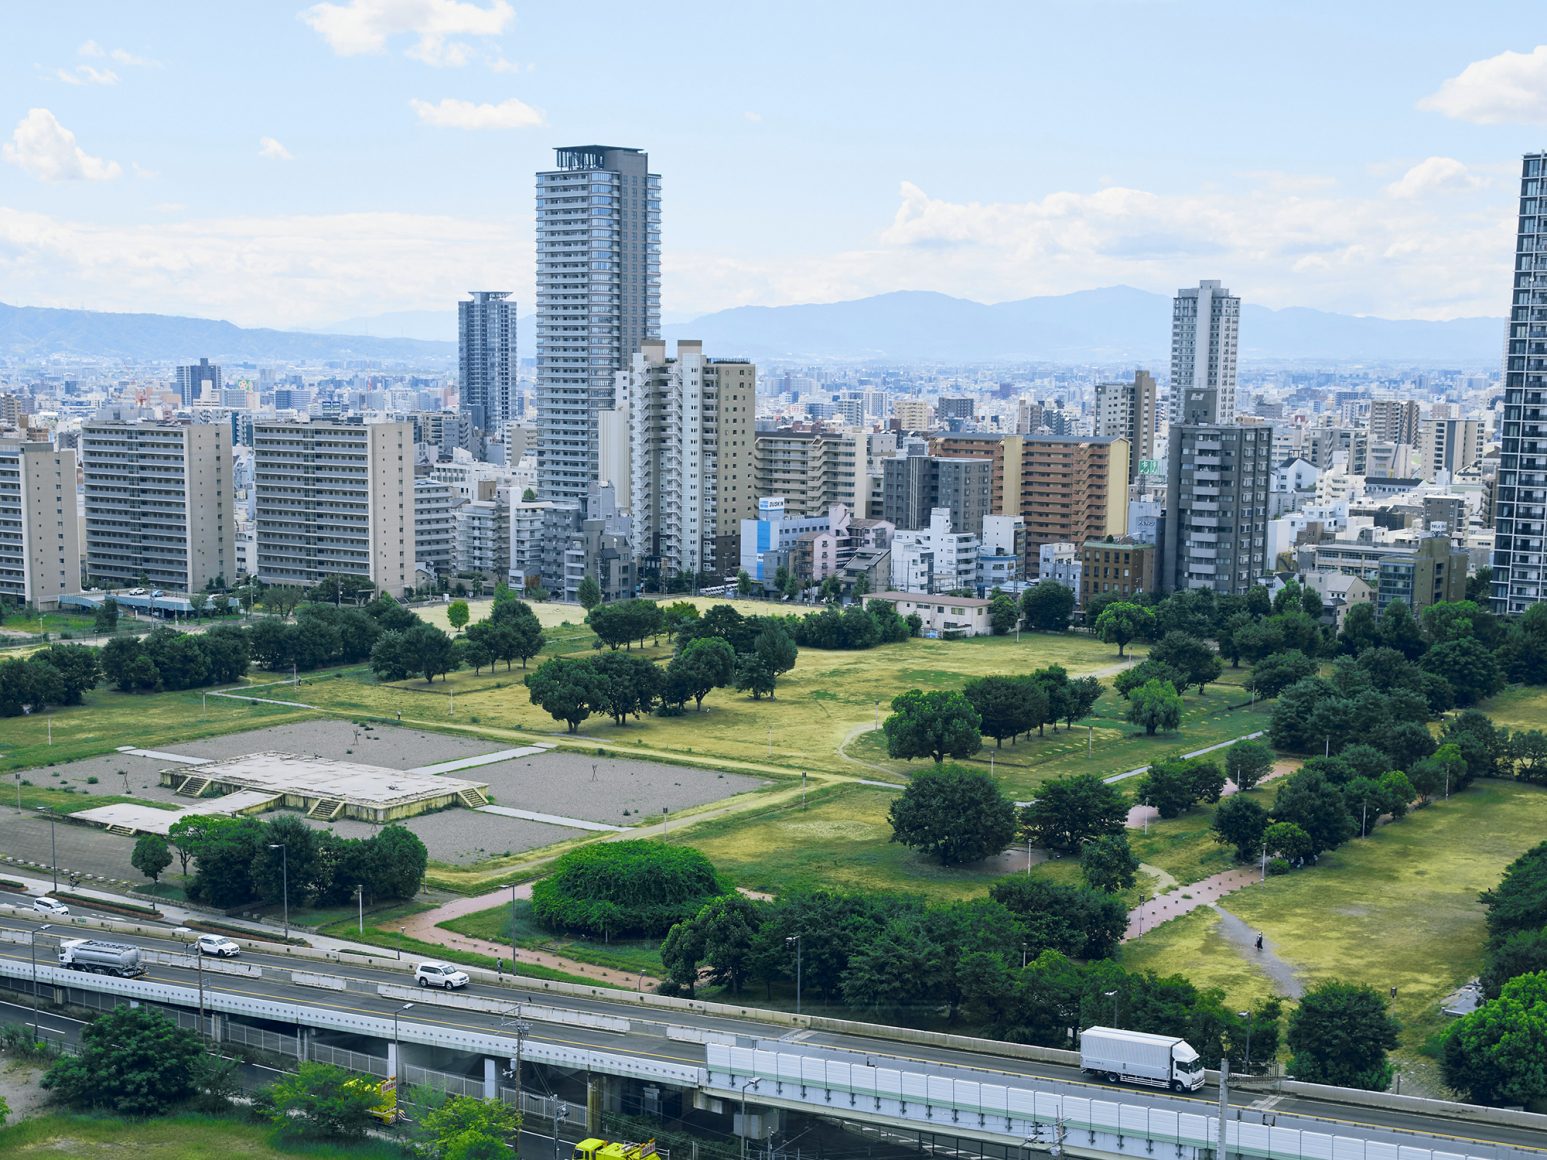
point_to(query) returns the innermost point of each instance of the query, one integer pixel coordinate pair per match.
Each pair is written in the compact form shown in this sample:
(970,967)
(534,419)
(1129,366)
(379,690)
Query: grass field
(494,924)
(1185,848)
(1519,707)
(174,1138)
(1396,910)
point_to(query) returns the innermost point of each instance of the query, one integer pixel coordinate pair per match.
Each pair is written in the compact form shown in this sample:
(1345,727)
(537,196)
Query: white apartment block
(1205,334)
(159,503)
(435,523)
(335,499)
(1060,562)
(40,549)
(1127,410)
(1448,445)
(934,559)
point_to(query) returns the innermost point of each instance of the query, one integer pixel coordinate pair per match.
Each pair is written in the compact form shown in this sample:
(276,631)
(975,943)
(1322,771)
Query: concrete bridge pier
(491,1079)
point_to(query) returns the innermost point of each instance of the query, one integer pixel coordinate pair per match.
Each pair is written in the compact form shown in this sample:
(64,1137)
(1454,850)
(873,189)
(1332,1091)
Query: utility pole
(284,869)
(1224,1110)
(360,902)
(32,948)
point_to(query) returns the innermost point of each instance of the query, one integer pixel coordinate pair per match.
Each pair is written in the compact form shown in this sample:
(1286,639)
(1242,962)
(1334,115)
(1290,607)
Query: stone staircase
(472,798)
(194,785)
(325,809)
(121,831)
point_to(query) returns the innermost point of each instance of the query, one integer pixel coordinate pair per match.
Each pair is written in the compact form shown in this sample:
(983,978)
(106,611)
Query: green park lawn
(173,1138)
(631,955)
(1399,909)
(1518,707)
(1184,847)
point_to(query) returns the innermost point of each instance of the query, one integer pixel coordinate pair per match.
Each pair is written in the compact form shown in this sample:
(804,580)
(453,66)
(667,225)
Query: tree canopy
(953,815)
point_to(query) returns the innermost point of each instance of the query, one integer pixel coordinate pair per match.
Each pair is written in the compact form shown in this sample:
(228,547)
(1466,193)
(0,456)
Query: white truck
(1137,1057)
(101,958)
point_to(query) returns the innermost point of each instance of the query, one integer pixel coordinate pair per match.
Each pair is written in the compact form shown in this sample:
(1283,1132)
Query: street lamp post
(284,871)
(53,844)
(1112,995)
(1247,1015)
(512,928)
(795,938)
(360,902)
(397,1047)
(751,1083)
(32,950)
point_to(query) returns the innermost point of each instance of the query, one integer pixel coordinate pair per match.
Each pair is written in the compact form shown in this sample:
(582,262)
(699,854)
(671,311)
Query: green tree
(937,724)
(458,614)
(1340,1034)
(1241,822)
(1003,613)
(776,649)
(1467,666)
(1070,811)
(743,584)
(1109,864)
(1048,606)
(396,863)
(701,666)
(626,685)
(1191,656)
(1287,840)
(1248,762)
(1122,623)
(1519,901)
(1007,706)
(567,690)
(1277,671)
(133,1061)
(1314,804)
(753,675)
(1521,953)
(1144,672)
(1498,1053)
(105,617)
(625,888)
(1173,787)
(1397,628)
(589,593)
(323,1101)
(463,1125)
(1073,920)
(953,815)
(1528,751)
(1155,705)
(151,856)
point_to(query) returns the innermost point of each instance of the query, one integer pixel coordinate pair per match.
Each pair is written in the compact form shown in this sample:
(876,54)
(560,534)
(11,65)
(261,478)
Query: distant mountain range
(38,332)
(1117,324)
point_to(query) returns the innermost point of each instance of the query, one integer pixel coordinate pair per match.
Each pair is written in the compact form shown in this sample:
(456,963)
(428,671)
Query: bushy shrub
(624,888)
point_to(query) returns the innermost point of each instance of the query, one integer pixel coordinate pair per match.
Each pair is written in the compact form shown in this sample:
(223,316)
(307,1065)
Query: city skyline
(361,157)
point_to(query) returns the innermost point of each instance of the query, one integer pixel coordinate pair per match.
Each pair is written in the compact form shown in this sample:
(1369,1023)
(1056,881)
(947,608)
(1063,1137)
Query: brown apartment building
(1069,489)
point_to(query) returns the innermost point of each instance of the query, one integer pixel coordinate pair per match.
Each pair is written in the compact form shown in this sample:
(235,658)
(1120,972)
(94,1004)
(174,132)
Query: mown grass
(1518,707)
(1185,848)
(1192,946)
(72,800)
(494,925)
(173,1138)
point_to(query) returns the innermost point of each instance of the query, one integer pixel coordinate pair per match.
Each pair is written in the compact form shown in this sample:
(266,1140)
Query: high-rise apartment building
(1449,445)
(334,499)
(1217,525)
(1394,420)
(813,470)
(1205,332)
(195,379)
(693,475)
(1127,410)
(40,547)
(1520,497)
(598,299)
(486,358)
(435,523)
(915,483)
(159,504)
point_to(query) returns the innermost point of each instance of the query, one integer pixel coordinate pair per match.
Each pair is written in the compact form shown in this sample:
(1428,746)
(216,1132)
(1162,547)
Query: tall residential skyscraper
(202,377)
(486,342)
(598,299)
(1217,527)
(40,547)
(159,504)
(1205,329)
(1520,503)
(1127,410)
(1449,445)
(1394,420)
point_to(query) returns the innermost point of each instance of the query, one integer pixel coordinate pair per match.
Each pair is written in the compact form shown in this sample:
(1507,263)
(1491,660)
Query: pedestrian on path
(1259,942)
(499,968)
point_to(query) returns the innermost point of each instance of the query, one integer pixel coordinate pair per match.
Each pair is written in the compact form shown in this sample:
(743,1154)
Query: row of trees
(60,674)
(242,859)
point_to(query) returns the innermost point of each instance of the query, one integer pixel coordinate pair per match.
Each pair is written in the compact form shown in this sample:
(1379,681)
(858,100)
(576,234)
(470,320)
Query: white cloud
(273,150)
(451,113)
(47,150)
(366,26)
(295,270)
(94,50)
(753,117)
(85,74)
(1434,175)
(1508,88)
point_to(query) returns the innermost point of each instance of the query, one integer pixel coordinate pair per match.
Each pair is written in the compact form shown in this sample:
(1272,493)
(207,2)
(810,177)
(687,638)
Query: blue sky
(293,164)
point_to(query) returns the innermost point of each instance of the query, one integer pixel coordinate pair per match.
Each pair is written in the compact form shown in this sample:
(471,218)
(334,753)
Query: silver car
(217,945)
(442,975)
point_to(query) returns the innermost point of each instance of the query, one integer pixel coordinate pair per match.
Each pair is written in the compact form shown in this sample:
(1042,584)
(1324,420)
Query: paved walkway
(553,820)
(480,759)
(1185,899)
(1244,937)
(424,926)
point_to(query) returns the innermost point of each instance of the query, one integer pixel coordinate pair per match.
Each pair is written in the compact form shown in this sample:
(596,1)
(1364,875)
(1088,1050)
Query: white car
(442,975)
(50,906)
(137,592)
(217,945)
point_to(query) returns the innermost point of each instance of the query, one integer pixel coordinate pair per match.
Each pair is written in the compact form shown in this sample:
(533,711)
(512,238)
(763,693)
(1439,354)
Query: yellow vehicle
(594,1149)
(386,1108)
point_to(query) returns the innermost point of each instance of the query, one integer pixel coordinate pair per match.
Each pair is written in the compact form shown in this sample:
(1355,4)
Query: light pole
(795,938)
(1264,861)
(1247,1015)
(397,1048)
(512,928)
(284,870)
(1112,995)
(32,951)
(53,844)
(360,902)
(751,1083)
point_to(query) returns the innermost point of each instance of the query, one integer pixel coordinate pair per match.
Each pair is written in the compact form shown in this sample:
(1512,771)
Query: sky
(294,164)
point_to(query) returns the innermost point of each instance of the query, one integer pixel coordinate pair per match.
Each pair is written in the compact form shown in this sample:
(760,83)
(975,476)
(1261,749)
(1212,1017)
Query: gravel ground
(83,849)
(20,1086)
(465,837)
(622,792)
(383,745)
(142,772)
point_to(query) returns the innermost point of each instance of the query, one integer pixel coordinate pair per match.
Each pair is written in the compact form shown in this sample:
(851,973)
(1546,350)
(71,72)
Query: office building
(1205,331)
(914,483)
(1448,445)
(196,380)
(598,299)
(1394,420)
(1122,567)
(1217,523)
(487,359)
(40,547)
(692,467)
(334,499)
(956,407)
(1127,411)
(1434,572)
(159,505)
(812,470)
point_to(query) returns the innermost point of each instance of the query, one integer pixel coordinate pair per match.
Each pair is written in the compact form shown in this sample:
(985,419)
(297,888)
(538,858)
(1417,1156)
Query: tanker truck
(101,958)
